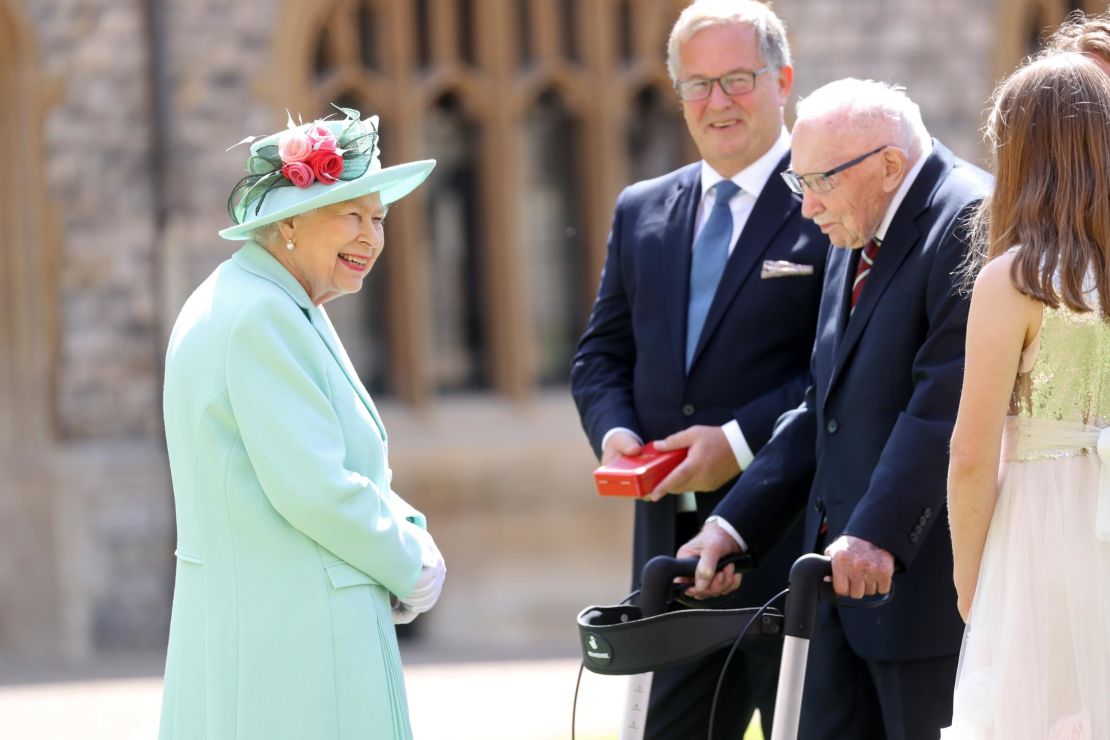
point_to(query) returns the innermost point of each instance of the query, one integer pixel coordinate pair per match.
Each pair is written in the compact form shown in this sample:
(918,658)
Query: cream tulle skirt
(1035,663)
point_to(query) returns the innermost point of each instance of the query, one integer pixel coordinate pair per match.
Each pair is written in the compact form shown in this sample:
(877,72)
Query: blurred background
(114,120)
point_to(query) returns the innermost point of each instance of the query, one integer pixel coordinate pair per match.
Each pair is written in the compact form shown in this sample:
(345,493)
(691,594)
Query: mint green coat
(289,537)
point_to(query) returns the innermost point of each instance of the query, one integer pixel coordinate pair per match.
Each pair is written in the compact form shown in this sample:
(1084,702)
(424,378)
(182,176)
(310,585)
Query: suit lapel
(776,204)
(835,297)
(902,238)
(680,209)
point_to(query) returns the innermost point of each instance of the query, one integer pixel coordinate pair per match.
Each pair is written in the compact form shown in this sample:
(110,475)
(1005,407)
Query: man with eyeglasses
(865,455)
(701,332)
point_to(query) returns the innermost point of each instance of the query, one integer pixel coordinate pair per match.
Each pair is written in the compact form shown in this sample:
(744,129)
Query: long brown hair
(1049,131)
(1080,32)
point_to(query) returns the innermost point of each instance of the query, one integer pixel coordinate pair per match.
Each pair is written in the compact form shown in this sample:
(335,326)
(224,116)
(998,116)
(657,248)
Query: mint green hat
(313,165)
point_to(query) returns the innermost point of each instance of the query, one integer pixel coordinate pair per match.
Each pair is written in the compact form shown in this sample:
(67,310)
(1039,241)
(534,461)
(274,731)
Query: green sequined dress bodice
(1065,372)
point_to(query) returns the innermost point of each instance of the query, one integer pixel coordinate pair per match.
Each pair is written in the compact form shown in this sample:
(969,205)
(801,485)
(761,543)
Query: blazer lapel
(901,238)
(776,204)
(680,209)
(840,266)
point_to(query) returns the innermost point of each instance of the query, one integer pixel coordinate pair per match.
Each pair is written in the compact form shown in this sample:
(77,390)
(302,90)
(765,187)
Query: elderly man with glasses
(864,457)
(702,328)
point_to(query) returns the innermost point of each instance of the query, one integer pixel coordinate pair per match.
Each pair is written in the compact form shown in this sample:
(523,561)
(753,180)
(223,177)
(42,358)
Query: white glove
(402,614)
(428,586)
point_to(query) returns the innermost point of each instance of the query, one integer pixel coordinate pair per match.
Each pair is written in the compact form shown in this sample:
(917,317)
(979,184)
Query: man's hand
(859,568)
(619,443)
(709,464)
(709,546)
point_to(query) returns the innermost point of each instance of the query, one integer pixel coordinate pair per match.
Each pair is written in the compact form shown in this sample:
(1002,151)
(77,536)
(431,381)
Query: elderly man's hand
(709,464)
(619,443)
(709,546)
(859,568)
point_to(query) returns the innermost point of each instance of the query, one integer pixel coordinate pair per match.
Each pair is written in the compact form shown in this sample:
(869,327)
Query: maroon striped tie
(866,259)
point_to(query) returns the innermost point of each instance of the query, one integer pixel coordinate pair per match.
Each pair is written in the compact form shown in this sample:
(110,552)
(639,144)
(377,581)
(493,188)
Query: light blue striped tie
(708,263)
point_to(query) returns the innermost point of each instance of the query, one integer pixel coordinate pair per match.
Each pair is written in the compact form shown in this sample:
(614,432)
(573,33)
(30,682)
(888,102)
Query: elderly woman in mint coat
(294,556)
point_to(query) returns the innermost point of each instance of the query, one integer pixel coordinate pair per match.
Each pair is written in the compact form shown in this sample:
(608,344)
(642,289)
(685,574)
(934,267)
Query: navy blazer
(868,447)
(752,359)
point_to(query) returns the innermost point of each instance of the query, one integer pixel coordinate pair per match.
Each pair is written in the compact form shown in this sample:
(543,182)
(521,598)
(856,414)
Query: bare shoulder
(996,296)
(995,281)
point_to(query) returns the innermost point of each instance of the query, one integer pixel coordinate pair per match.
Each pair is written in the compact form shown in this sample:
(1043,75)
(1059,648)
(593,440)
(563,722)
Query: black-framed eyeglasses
(737,82)
(819,182)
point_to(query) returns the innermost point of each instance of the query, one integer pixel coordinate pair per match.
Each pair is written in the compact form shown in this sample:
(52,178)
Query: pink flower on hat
(299,173)
(327,166)
(294,146)
(321,137)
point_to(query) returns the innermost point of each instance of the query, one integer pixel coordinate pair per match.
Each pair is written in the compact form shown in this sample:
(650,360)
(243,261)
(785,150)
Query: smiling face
(850,213)
(334,246)
(732,131)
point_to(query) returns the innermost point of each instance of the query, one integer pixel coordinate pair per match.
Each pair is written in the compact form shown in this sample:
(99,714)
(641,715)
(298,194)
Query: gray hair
(871,106)
(270,234)
(702,14)
(267,234)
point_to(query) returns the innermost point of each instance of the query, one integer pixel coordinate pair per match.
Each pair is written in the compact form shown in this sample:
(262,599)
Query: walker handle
(808,586)
(657,578)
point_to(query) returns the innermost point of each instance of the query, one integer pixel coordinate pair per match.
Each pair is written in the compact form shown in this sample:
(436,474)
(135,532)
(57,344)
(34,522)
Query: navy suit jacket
(752,359)
(868,447)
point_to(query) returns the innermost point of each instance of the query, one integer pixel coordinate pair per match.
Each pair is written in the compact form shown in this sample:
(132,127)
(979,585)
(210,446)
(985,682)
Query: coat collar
(254,258)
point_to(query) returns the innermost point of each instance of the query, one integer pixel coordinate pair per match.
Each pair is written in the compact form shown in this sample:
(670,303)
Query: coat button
(923,520)
(688,409)
(928,512)
(832,426)
(918,529)
(913,536)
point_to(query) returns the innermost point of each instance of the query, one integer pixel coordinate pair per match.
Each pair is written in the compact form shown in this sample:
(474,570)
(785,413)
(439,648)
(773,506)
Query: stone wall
(97,142)
(942,51)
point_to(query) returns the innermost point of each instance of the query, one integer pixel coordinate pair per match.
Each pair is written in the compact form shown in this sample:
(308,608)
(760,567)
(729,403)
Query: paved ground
(510,700)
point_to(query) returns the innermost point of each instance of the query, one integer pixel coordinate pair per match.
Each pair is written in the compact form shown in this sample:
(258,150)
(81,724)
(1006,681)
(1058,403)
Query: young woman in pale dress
(1030,520)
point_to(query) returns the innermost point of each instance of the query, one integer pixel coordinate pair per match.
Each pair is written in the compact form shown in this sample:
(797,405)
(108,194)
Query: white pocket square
(783,268)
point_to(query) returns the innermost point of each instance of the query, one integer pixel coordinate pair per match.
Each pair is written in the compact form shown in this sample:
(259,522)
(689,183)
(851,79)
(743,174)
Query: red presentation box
(637,475)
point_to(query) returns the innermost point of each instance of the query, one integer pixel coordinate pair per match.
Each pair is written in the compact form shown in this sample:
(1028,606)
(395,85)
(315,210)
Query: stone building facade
(114,119)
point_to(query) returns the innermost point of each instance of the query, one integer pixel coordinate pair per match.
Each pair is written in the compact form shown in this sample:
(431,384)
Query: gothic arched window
(538,114)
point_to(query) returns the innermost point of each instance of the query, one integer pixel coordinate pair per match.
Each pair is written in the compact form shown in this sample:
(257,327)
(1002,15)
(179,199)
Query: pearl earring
(289,244)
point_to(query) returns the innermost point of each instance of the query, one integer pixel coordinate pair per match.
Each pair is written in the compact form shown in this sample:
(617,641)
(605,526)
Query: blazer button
(832,426)
(928,512)
(913,536)
(688,409)
(923,520)
(918,529)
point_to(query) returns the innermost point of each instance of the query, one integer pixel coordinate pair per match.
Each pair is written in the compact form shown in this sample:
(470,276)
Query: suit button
(819,504)
(928,512)
(913,536)
(688,409)
(832,426)
(918,529)
(923,520)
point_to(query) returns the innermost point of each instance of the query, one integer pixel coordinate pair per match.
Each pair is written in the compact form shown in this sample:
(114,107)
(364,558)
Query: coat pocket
(343,575)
